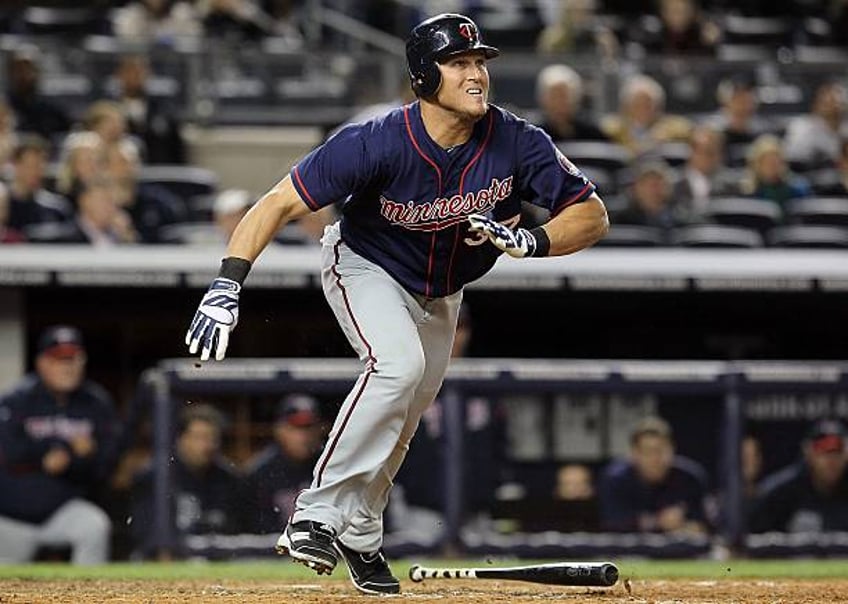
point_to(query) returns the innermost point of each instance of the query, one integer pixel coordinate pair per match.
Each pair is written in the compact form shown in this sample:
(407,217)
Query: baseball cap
(60,341)
(301,410)
(827,436)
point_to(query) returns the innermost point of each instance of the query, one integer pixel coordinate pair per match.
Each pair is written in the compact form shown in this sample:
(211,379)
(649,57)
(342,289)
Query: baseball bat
(601,574)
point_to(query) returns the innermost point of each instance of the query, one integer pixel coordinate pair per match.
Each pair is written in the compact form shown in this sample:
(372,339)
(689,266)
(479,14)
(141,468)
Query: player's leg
(83,526)
(18,541)
(360,545)
(379,318)
(436,332)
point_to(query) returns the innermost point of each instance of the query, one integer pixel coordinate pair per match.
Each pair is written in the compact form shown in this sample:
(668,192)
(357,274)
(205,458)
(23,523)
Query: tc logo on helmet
(467,30)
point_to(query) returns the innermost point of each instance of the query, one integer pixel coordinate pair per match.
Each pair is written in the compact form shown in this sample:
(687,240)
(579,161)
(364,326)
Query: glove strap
(235,269)
(543,242)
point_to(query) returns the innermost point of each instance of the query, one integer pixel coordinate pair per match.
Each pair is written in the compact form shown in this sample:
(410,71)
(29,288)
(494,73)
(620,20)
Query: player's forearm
(274,210)
(577,227)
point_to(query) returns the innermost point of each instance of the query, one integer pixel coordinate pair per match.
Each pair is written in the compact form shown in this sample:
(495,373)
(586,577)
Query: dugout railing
(730,382)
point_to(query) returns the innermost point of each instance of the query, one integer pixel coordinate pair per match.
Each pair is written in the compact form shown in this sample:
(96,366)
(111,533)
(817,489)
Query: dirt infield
(336,592)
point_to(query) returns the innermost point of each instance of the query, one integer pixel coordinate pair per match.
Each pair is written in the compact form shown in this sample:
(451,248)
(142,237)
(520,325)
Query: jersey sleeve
(547,178)
(335,169)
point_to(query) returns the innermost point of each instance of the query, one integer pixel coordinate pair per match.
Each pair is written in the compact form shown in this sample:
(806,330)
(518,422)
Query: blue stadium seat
(826,211)
(808,236)
(716,235)
(628,235)
(186,182)
(757,214)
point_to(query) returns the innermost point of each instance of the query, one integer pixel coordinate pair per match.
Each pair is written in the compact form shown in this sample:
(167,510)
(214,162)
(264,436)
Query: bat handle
(418,573)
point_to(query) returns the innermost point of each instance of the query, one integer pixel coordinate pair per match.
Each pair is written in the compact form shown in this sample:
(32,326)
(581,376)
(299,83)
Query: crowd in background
(75,178)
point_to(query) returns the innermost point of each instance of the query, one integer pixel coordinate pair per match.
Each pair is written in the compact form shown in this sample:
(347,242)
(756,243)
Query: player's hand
(215,318)
(518,243)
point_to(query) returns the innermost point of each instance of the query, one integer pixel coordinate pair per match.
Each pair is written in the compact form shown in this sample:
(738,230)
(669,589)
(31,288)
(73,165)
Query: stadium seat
(761,31)
(629,235)
(64,21)
(808,236)
(716,235)
(676,154)
(596,153)
(826,211)
(191,233)
(751,53)
(757,214)
(184,181)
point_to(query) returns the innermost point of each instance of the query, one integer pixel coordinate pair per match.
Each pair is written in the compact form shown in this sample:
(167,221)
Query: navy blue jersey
(624,497)
(31,423)
(406,199)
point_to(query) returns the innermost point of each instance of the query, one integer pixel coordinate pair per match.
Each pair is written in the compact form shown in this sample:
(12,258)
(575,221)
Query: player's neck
(446,128)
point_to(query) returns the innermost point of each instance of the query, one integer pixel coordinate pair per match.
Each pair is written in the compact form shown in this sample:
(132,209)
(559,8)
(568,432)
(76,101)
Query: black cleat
(310,543)
(370,572)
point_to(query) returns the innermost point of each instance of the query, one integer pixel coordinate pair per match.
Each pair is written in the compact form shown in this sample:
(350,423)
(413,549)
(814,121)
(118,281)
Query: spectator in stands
(655,490)
(768,175)
(56,441)
(575,29)
(7,233)
(30,203)
(641,122)
(80,161)
(682,30)
(99,220)
(840,188)
(34,113)
(150,206)
(737,119)
(284,467)
(235,19)
(206,495)
(285,17)
(813,140)
(702,176)
(229,208)
(149,119)
(559,93)
(416,509)
(107,120)
(650,202)
(156,21)
(8,135)
(812,494)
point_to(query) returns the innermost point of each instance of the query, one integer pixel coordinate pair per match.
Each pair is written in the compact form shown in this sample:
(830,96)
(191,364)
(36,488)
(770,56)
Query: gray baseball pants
(404,341)
(78,523)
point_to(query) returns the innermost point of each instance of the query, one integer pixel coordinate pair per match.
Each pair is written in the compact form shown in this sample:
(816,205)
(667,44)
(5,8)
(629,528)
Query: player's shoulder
(507,119)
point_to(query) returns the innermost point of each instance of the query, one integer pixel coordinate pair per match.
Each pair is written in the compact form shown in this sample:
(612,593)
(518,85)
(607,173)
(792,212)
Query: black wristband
(543,242)
(235,269)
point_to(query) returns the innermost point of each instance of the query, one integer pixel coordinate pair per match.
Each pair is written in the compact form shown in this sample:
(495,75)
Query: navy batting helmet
(436,39)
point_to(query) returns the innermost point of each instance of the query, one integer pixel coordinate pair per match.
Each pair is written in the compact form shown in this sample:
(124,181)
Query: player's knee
(406,369)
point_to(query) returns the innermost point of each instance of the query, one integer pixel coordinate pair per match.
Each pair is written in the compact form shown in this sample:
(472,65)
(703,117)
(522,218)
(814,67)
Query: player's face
(652,456)
(465,84)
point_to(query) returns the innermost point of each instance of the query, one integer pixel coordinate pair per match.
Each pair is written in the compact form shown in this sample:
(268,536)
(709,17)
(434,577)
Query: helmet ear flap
(428,80)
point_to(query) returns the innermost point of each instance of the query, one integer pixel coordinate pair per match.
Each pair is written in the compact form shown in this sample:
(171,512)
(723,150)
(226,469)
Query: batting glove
(215,318)
(518,243)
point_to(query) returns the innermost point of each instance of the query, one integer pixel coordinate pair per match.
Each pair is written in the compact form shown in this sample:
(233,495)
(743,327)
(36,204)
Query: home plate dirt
(440,592)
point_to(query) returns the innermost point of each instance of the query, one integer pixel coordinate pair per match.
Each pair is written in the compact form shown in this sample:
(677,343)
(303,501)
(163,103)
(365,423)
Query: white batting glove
(518,243)
(215,318)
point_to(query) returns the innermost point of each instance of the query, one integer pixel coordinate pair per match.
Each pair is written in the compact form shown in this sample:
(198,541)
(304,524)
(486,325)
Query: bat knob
(415,573)
(609,573)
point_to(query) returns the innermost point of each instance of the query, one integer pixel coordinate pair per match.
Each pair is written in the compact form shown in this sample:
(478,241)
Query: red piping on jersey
(474,159)
(370,363)
(439,176)
(311,202)
(572,200)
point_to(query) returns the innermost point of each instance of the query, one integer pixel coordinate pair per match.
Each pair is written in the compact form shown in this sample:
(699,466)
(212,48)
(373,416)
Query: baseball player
(431,197)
